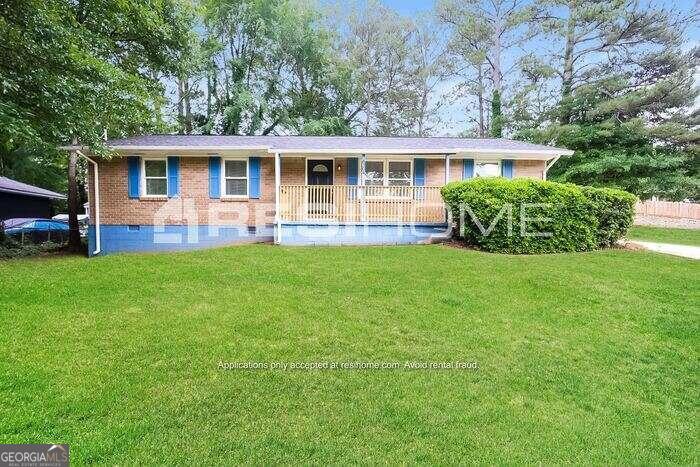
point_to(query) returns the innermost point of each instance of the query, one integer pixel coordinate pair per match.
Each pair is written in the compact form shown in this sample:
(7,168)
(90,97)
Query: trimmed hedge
(538,216)
(614,210)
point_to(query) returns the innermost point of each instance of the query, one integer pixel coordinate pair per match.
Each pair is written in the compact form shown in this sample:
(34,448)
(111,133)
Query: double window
(235,179)
(155,177)
(388,173)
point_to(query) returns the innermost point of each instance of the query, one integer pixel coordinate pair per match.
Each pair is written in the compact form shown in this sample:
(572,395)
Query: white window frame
(488,161)
(223,177)
(410,171)
(144,189)
(385,176)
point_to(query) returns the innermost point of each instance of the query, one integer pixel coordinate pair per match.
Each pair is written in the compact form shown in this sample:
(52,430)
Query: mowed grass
(665,235)
(582,358)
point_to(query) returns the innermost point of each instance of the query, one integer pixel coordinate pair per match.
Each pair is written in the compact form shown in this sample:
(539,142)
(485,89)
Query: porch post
(278,169)
(361,189)
(447,169)
(447,180)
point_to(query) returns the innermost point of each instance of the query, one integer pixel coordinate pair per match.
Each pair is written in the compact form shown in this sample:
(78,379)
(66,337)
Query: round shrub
(525,216)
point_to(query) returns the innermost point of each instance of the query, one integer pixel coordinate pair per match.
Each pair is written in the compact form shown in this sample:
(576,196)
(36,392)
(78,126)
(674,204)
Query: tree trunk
(480,99)
(496,56)
(210,74)
(73,229)
(496,119)
(567,72)
(188,109)
(180,108)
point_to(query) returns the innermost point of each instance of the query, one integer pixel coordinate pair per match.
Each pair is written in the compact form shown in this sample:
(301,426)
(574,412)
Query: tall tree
(625,101)
(432,68)
(490,28)
(269,68)
(590,35)
(397,65)
(75,69)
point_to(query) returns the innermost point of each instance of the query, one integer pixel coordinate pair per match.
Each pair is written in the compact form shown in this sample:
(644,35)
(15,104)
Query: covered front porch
(365,199)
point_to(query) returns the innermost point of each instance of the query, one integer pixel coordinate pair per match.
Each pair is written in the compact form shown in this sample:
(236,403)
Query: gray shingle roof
(7,185)
(301,143)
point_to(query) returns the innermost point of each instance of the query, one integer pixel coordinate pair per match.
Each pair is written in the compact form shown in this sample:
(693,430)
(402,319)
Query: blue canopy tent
(36,230)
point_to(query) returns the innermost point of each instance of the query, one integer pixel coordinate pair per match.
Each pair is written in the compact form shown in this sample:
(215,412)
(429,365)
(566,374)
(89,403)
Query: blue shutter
(467,169)
(419,177)
(254,176)
(134,166)
(173,176)
(214,177)
(507,168)
(352,177)
(419,172)
(352,170)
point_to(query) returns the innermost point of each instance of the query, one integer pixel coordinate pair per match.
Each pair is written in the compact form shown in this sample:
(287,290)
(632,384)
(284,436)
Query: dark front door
(319,172)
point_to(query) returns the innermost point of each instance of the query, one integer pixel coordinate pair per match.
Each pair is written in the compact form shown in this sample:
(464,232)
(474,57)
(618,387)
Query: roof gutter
(97,201)
(554,152)
(30,193)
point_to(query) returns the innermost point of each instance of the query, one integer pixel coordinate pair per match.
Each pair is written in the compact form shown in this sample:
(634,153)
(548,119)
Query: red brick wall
(117,208)
(529,169)
(435,171)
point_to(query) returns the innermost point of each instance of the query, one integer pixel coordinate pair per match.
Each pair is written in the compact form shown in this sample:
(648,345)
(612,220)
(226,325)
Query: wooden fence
(353,203)
(675,209)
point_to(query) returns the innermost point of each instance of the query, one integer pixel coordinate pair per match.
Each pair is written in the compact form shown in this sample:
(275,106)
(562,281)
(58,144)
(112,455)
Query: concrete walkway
(685,251)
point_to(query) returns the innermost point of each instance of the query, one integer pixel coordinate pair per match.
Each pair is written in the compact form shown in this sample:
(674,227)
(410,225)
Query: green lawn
(589,357)
(665,235)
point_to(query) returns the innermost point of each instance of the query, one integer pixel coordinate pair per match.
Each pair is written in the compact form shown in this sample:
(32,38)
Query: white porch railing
(353,203)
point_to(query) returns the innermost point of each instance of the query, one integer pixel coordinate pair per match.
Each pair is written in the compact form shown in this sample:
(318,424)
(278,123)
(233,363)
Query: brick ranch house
(172,192)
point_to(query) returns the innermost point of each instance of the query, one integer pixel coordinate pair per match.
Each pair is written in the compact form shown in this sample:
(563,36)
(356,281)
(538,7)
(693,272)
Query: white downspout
(96,189)
(549,165)
(278,178)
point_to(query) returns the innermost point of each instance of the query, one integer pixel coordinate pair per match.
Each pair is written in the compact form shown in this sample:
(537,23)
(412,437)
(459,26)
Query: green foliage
(614,210)
(76,69)
(326,126)
(625,103)
(525,216)
(269,67)
(628,155)
(10,248)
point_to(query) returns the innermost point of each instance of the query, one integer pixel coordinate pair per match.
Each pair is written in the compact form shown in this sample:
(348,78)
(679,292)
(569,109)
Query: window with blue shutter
(467,169)
(214,177)
(254,167)
(134,168)
(507,168)
(173,176)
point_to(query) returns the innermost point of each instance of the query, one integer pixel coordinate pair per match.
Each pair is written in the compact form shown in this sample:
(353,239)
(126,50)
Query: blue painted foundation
(130,238)
(134,238)
(359,234)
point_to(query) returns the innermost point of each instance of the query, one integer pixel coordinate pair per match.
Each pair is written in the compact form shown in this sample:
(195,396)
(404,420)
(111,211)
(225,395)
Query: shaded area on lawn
(587,357)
